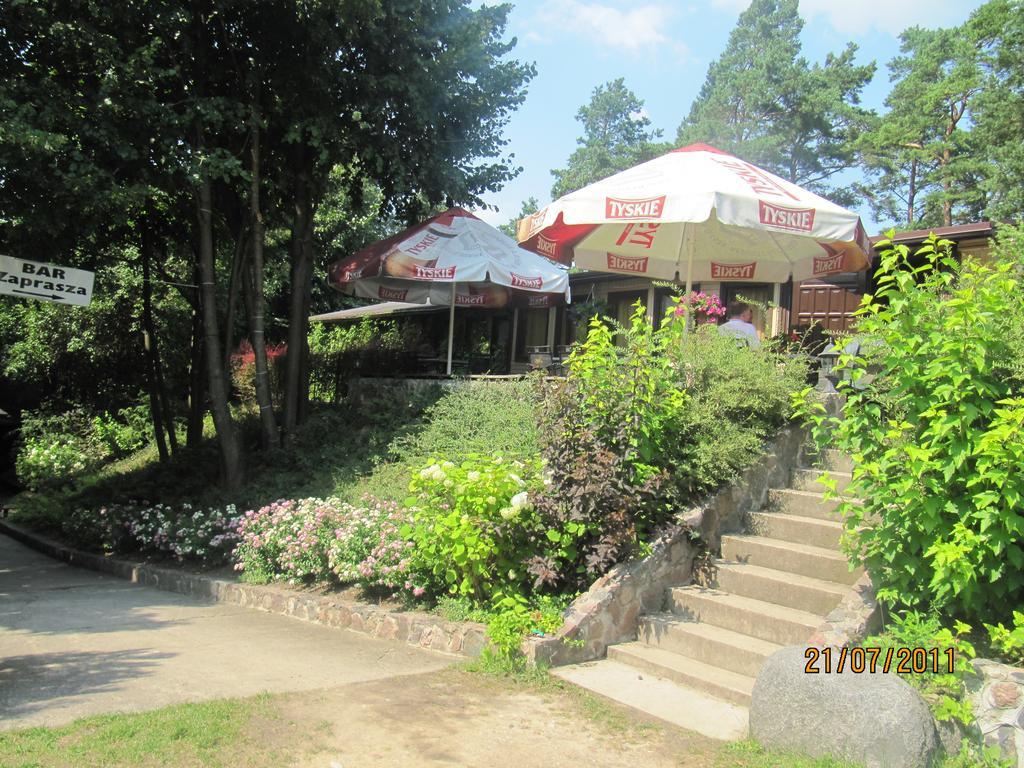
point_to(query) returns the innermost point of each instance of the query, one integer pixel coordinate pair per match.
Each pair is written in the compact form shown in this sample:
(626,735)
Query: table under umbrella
(453,259)
(701,214)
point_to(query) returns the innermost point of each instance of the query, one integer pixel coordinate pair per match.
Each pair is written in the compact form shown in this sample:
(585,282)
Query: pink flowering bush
(288,540)
(323,540)
(368,548)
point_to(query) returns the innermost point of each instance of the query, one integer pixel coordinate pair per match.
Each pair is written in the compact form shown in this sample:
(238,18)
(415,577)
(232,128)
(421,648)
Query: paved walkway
(75,643)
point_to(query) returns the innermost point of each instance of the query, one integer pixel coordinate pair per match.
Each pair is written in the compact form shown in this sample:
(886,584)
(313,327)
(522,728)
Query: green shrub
(516,620)
(56,447)
(335,350)
(647,420)
(128,431)
(472,524)
(937,434)
(1009,642)
(945,691)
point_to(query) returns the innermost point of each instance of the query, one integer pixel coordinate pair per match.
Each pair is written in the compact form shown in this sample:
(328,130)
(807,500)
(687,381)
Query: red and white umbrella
(451,259)
(703,215)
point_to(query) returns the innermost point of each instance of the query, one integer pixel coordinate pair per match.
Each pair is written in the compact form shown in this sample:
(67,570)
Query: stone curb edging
(414,628)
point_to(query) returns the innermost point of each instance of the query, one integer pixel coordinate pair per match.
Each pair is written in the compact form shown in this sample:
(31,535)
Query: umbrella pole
(776,309)
(515,332)
(689,280)
(451,329)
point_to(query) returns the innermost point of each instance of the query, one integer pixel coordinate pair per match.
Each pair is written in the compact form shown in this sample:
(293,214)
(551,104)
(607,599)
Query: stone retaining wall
(856,617)
(422,630)
(997,695)
(609,611)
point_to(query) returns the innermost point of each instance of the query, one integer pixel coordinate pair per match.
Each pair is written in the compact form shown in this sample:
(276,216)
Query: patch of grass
(750,754)
(202,734)
(482,417)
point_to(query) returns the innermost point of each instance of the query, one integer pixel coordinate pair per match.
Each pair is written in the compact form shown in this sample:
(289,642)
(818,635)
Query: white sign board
(45,282)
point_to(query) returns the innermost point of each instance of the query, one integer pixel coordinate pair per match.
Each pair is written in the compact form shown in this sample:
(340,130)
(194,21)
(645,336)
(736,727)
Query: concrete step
(679,669)
(816,562)
(807,480)
(757,618)
(832,459)
(804,503)
(802,530)
(655,696)
(706,643)
(779,587)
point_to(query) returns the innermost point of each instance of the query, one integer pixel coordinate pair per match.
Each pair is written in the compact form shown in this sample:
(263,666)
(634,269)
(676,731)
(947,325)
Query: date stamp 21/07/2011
(904,661)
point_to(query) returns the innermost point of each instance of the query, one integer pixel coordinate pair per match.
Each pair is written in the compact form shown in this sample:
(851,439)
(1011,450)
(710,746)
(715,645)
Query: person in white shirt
(739,325)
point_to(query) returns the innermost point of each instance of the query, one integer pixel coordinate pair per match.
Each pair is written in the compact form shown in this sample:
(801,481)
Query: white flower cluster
(518,503)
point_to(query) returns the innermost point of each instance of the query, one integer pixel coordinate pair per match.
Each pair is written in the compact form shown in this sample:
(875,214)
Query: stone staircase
(771,587)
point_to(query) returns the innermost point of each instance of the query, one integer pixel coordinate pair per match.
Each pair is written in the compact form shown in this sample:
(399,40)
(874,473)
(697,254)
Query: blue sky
(663,48)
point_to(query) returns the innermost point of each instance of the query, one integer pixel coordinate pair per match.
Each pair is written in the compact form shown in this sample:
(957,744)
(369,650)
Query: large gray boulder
(873,719)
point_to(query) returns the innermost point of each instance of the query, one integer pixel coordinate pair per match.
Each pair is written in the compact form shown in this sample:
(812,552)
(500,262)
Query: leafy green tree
(924,164)
(998,109)
(209,134)
(617,134)
(767,104)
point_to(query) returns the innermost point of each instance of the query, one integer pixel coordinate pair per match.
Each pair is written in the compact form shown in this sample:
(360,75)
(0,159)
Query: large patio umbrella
(452,259)
(703,215)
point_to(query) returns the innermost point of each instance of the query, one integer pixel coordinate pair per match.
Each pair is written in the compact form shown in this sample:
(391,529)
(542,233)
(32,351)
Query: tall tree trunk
(947,188)
(149,343)
(912,193)
(300,251)
(227,435)
(238,265)
(947,157)
(161,383)
(197,381)
(253,288)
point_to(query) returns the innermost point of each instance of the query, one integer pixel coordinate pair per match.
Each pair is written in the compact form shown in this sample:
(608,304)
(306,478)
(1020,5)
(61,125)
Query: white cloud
(636,29)
(890,16)
(731,5)
(640,115)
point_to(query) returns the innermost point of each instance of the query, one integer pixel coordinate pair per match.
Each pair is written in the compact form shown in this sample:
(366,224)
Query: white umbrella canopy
(699,214)
(452,259)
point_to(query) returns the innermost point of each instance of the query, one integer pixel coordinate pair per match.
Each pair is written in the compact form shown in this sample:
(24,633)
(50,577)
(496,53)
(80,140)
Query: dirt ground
(455,718)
